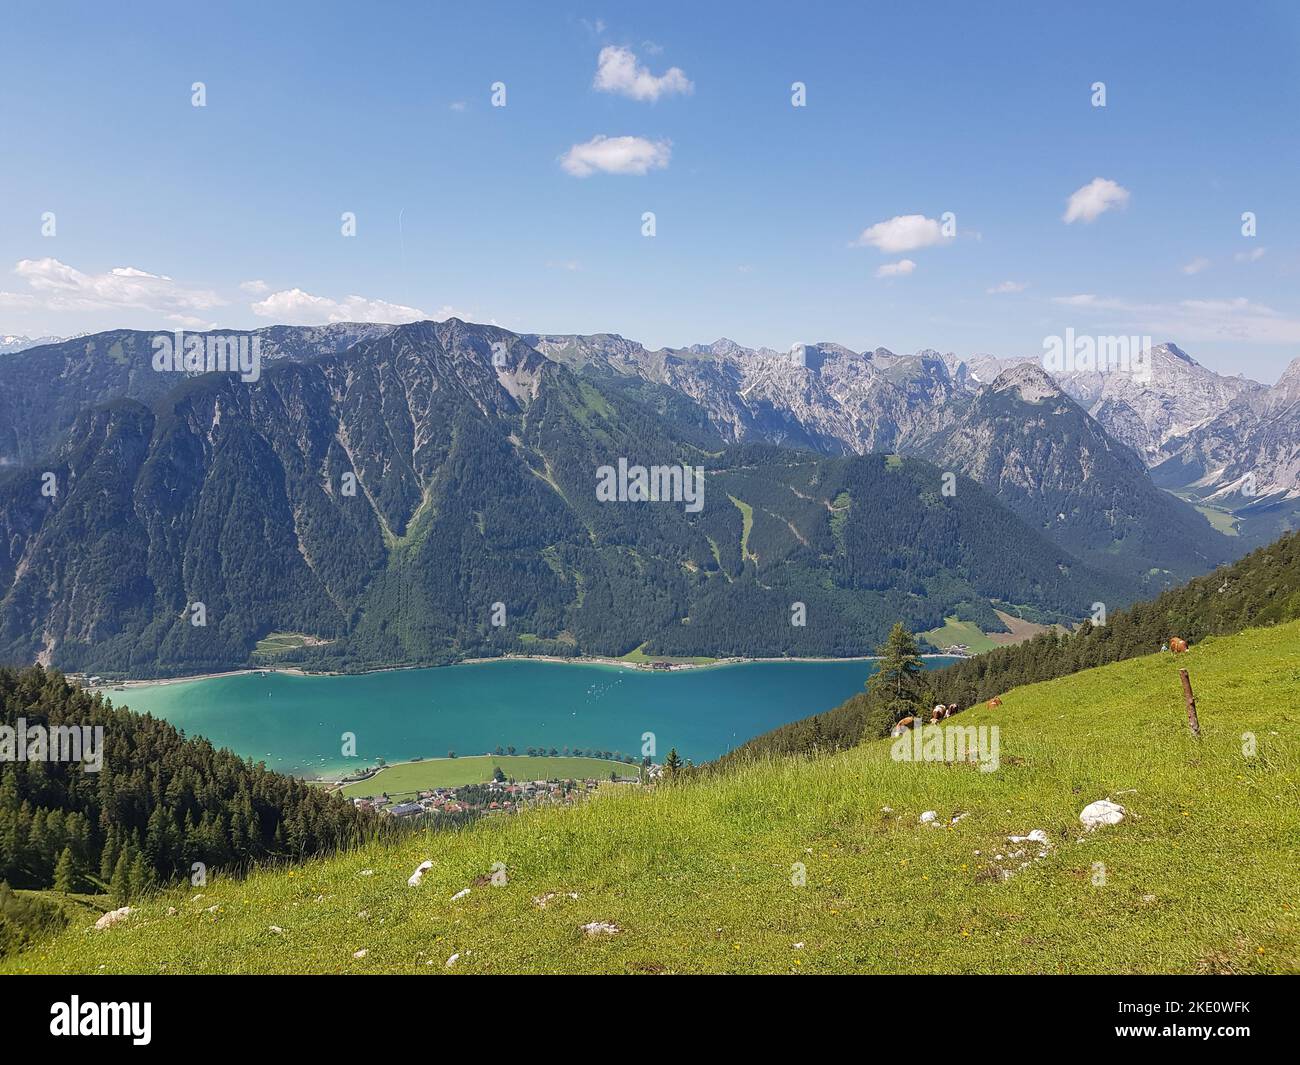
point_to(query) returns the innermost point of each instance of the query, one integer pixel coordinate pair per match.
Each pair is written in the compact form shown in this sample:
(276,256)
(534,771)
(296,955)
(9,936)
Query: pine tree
(119,889)
(897,680)
(672,765)
(64,872)
(138,879)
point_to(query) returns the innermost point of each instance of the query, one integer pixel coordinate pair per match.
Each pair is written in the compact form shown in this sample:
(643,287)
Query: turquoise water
(295,724)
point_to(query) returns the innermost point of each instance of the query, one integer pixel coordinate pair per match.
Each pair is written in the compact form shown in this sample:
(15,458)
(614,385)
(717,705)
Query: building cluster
(493,797)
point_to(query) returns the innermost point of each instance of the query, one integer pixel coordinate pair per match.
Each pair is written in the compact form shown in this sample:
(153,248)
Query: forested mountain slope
(383,501)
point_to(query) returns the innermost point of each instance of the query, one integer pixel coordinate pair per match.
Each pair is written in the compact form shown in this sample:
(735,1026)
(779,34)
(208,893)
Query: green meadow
(823,865)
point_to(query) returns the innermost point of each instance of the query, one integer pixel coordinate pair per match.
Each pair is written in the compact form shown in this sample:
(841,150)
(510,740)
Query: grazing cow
(903,725)
(951,709)
(938,713)
(995,701)
(1178,646)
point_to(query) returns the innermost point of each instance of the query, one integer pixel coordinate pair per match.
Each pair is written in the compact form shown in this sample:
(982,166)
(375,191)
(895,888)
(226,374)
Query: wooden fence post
(1192,721)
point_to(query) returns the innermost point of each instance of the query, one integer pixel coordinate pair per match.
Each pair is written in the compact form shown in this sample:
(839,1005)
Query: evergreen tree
(64,872)
(672,765)
(138,878)
(897,683)
(119,889)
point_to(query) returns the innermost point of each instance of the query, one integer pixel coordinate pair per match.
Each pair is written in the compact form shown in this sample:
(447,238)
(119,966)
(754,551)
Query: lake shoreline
(582,660)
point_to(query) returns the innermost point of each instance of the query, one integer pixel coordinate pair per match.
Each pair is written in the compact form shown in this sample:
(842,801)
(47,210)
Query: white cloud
(59,287)
(1196,265)
(1236,319)
(1094,199)
(905,232)
(1007,287)
(296,307)
(616,155)
(1088,299)
(618,71)
(255,288)
(899,269)
(1252,256)
(188,321)
(456,105)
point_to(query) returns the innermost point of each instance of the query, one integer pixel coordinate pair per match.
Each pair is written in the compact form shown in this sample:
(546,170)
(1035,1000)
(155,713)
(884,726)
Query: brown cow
(938,713)
(995,701)
(952,709)
(1177,645)
(903,725)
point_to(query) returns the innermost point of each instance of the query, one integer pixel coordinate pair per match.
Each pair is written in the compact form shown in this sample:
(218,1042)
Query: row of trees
(161,806)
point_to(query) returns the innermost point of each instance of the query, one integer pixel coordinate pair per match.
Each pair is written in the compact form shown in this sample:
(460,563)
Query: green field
(407,778)
(639,656)
(954,631)
(276,643)
(1200,877)
(746,527)
(1220,519)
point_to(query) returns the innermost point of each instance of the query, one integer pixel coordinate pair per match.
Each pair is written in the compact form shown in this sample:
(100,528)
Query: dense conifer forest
(159,803)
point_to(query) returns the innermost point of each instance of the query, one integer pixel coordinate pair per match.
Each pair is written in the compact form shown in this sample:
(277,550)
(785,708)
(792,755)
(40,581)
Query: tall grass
(705,877)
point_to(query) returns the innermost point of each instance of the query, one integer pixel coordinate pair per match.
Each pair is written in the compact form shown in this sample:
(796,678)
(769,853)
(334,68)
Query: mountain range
(389,492)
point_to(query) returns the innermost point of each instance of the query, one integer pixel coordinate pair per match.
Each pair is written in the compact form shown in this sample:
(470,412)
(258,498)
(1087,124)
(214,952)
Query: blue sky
(230,214)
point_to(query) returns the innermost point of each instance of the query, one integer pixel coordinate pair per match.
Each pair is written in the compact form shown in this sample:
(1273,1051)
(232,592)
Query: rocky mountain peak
(1287,390)
(1032,382)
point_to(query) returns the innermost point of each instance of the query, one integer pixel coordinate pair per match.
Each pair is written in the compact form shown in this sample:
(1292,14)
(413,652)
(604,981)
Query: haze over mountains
(473,452)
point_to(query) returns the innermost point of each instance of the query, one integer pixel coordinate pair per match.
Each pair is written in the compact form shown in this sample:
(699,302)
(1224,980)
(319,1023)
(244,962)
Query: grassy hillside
(1200,876)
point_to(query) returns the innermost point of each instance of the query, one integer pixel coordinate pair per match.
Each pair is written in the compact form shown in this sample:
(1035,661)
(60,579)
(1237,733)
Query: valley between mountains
(425,493)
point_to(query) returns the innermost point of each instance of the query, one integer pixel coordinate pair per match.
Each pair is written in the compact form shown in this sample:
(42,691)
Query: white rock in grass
(418,875)
(113,917)
(542,901)
(601,928)
(460,894)
(1101,812)
(452,960)
(276,930)
(1036,836)
(360,953)
(366,872)
(928,816)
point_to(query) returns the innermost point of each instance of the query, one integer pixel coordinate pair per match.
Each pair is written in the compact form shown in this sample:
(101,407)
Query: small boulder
(418,875)
(928,816)
(1101,812)
(113,917)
